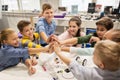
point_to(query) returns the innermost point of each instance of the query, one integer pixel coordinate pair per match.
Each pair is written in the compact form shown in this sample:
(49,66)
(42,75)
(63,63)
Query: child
(46,25)
(106,56)
(29,38)
(74,29)
(103,25)
(11,52)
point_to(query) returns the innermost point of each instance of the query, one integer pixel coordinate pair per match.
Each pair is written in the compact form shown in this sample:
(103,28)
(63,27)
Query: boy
(29,38)
(106,56)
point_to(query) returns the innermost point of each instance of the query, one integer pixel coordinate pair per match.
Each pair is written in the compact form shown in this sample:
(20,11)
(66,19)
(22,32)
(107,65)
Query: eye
(74,26)
(51,12)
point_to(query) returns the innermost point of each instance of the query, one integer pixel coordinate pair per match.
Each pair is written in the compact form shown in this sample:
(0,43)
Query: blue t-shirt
(43,26)
(10,56)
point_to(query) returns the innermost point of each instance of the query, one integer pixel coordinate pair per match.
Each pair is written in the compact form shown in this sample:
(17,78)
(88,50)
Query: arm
(77,40)
(43,36)
(69,41)
(78,51)
(37,50)
(30,44)
(81,51)
(41,29)
(31,69)
(15,52)
(84,39)
(57,50)
(67,49)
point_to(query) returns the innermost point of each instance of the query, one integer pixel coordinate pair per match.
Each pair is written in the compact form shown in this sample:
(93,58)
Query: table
(19,72)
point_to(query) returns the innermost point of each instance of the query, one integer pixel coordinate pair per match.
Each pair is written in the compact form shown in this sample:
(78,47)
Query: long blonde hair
(109,53)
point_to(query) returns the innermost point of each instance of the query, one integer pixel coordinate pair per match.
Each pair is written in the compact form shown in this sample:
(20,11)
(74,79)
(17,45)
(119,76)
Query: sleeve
(65,35)
(80,72)
(82,51)
(82,34)
(84,39)
(30,44)
(17,53)
(40,27)
(33,45)
(54,24)
(36,35)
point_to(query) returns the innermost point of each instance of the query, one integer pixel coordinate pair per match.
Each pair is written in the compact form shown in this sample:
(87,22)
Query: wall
(10,19)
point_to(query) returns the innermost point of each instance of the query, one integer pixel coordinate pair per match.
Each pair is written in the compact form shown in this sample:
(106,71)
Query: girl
(45,25)
(108,62)
(74,29)
(11,52)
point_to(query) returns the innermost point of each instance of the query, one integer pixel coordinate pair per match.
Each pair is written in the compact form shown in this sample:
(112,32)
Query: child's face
(73,28)
(12,40)
(101,30)
(48,14)
(28,31)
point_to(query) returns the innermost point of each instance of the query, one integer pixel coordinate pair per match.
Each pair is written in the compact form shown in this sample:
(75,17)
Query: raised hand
(52,38)
(31,70)
(56,47)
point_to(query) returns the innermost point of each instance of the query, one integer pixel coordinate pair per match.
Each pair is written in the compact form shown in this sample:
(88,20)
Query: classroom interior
(89,11)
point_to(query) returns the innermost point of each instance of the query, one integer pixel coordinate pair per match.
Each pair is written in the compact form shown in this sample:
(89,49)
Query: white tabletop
(19,72)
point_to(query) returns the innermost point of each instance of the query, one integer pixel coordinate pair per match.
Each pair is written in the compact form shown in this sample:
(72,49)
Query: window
(22,4)
(12,4)
(31,4)
(82,4)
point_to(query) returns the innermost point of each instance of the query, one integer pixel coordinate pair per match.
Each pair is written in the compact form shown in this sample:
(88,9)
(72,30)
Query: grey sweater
(92,73)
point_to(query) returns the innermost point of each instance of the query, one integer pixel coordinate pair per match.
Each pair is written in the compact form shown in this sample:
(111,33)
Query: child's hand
(94,39)
(31,70)
(52,38)
(56,47)
(34,61)
(51,50)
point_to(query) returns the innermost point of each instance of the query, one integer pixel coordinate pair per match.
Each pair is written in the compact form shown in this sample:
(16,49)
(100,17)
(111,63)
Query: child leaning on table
(29,39)
(106,56)
(11,52)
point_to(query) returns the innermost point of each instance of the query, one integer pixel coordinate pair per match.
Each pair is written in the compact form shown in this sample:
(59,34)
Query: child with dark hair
(74,29)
